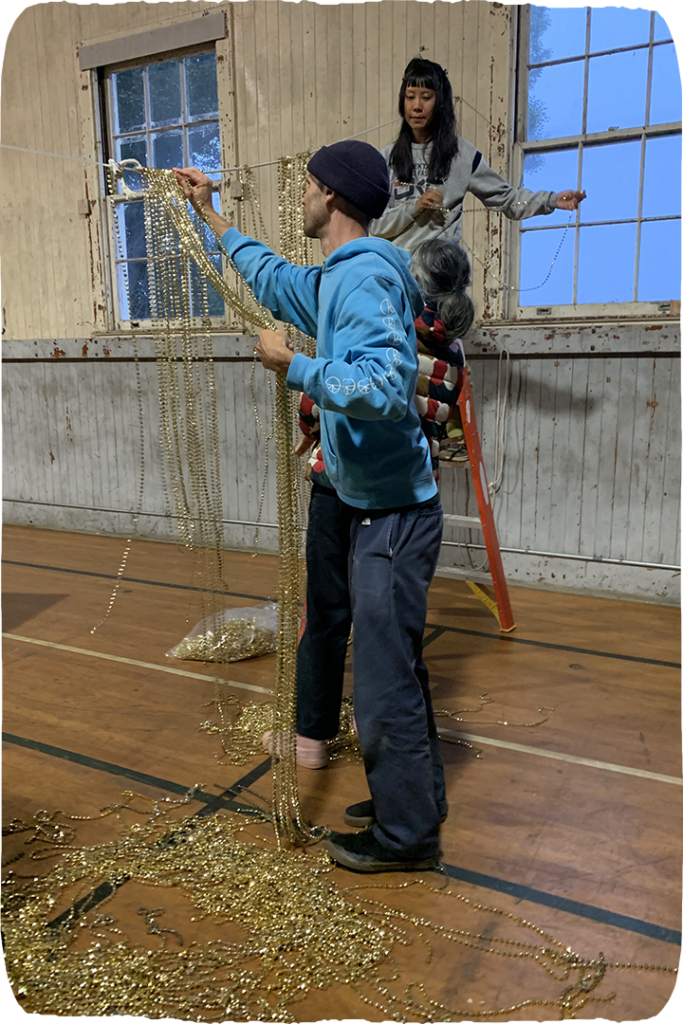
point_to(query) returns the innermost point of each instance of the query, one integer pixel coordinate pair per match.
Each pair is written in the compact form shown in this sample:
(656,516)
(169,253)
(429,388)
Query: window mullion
(523,73)
(575,286)
(641,184)
(584,126)
(650,63)
(584,120)
(148,115)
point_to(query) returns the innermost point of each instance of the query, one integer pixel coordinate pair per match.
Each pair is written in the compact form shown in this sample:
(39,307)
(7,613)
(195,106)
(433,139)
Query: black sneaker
(362,814)
(360,851)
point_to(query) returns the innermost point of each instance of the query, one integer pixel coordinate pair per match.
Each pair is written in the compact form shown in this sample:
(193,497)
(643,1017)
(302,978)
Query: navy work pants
(375,570)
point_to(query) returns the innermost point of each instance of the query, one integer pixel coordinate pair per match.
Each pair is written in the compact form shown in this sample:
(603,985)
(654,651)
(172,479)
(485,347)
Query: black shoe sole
(368,866)
(360,821)
(364,820)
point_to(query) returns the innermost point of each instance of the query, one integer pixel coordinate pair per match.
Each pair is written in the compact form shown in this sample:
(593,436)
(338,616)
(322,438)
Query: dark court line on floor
(433,636)
(554,647)
(222,800)
(548,899)
(148,780)
(130,579)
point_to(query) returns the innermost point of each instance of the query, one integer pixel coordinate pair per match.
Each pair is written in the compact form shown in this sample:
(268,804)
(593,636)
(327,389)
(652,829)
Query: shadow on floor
(19,608)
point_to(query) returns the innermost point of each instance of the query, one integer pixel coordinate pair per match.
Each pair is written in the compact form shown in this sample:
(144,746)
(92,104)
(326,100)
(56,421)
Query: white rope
(57,156)
(220,170)
(501,413)
(270,163)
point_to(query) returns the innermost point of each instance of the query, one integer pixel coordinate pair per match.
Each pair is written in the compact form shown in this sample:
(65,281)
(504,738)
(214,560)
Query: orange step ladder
(500,607)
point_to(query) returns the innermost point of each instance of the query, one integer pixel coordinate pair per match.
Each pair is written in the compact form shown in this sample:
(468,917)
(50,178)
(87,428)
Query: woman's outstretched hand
(569,200)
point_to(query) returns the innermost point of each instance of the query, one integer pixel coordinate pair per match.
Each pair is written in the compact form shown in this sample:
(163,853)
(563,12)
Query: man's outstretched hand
(196,187)
(569,200)
(273,349)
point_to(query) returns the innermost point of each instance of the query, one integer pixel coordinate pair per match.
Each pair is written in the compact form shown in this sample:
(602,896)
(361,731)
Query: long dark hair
(442,271)
(444,135)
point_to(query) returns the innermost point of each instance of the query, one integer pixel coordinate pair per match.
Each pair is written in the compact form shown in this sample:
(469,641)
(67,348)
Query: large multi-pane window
(162,114)
(600,110)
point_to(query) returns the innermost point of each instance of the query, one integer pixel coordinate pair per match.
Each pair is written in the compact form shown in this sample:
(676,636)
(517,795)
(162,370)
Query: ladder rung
(473,522)
(451,572)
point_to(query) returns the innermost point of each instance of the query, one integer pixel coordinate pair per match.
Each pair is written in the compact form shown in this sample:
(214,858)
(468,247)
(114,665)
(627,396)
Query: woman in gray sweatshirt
(431,168)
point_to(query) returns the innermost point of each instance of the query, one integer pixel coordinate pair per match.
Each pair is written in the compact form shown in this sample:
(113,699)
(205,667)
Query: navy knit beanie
(356,171)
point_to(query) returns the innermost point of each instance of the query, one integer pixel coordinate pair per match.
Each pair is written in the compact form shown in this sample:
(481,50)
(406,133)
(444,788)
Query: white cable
(501,413)
(58,156)
(221,170)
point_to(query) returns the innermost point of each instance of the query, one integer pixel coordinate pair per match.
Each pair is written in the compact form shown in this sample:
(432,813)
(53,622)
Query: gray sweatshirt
(469,172)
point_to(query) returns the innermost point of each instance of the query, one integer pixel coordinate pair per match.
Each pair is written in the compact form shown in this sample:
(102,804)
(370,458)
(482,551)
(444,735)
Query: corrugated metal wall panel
(591,469)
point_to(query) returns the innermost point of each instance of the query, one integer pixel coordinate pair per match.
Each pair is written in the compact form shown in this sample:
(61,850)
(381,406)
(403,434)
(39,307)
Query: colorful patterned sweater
(441,368)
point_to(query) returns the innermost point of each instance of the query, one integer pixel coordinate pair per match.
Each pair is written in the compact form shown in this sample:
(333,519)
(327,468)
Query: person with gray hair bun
(442,270)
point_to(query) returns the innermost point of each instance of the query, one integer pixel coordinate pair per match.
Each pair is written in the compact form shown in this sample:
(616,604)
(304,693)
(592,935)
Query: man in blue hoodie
(387,520)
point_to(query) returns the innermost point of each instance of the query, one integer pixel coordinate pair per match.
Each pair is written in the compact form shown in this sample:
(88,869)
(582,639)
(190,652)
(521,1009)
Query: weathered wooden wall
(592,450)
(292,77)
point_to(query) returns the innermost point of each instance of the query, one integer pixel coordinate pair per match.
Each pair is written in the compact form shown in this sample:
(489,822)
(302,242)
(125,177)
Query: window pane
(556,33)
(617,86)
(167,149)
(164,93)
(606,263)
(659,272)
(202,88)
(133,234)
(129,101)
(548,119)
(168,290)
(665,104)
(611,178)
(203,230)
(668,20)
(612,27)
(205,299)
(539,249)
(216,304)
(138,290)
(662,185)
(554,172)
(204,148)
(132,149)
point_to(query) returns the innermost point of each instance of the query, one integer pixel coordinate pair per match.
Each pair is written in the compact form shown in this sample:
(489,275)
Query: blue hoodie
(360,306)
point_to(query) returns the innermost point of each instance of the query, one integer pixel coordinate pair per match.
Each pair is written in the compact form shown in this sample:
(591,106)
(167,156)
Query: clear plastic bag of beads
(231,635)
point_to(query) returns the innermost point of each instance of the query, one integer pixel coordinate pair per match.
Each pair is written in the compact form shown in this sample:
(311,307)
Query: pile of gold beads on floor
(288,930)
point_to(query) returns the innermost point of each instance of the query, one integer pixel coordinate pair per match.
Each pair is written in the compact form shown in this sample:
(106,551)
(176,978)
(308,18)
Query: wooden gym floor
(574,824)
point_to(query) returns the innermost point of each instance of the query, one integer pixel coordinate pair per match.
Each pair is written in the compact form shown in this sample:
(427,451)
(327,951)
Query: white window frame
(108,147)
(580,311)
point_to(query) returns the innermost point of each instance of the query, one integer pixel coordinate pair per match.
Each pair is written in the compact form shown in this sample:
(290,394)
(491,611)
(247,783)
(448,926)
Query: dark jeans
(376,570)
(322,650)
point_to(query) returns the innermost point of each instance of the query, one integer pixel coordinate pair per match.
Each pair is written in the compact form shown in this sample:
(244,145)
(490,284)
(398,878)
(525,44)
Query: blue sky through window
(613,174)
